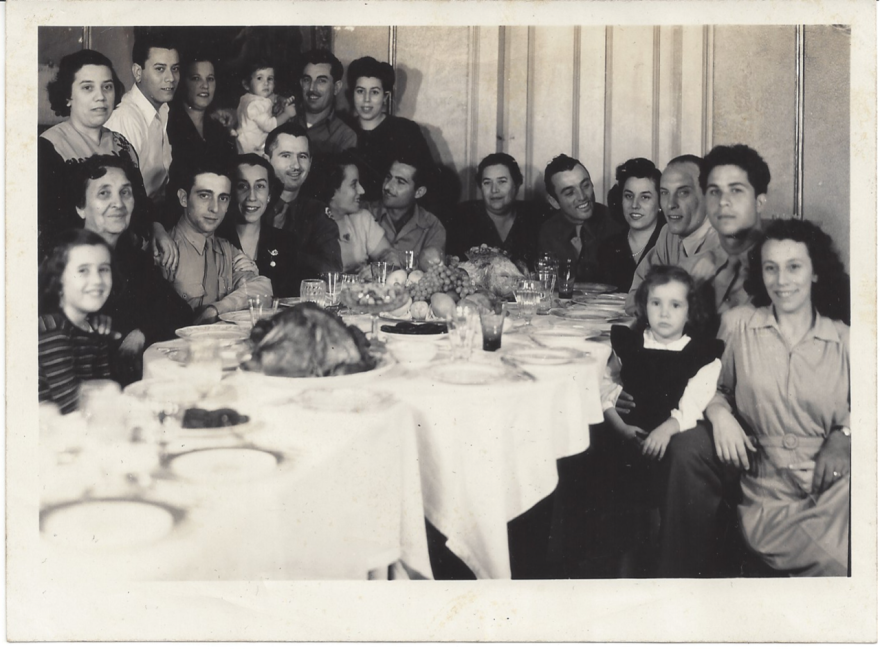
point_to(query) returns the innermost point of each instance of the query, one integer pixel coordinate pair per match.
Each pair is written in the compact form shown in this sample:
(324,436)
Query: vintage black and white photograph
(540,307)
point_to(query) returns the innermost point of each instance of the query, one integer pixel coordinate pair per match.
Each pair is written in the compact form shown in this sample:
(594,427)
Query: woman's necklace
(631,243)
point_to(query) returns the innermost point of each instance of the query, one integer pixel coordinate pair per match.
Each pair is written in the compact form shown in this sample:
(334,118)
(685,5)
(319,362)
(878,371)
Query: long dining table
(362,460)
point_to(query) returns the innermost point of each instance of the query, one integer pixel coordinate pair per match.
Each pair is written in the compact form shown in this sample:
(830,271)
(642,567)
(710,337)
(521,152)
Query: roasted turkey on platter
(305,340)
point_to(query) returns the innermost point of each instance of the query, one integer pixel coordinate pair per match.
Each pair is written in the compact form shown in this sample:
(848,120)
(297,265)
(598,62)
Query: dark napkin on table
(416,328)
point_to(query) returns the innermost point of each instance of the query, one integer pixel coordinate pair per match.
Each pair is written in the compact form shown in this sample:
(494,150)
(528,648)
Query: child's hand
(633,433)
(655,445)
(289,108)
(103,326)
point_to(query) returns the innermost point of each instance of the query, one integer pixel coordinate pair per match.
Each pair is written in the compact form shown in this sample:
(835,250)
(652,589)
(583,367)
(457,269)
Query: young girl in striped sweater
(74,344)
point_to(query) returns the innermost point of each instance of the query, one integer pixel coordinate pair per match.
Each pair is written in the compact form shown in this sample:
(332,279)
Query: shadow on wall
(445,190)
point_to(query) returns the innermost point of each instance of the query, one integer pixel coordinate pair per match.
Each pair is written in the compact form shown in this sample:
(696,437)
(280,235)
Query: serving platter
(384,363)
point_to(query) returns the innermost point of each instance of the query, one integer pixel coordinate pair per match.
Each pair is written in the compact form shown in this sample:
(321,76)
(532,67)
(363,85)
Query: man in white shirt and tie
(142,117)
(687,232)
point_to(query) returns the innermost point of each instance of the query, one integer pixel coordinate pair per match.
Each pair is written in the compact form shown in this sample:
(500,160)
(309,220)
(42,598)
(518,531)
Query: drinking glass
(101,408)
(380,271)
(546,262)
(313,290)
(262,307)
(331,287)
(409,260)
(349,278)
(492,325)
(204,367)
(565,278)
(463,325)
(527,294)
(546,280)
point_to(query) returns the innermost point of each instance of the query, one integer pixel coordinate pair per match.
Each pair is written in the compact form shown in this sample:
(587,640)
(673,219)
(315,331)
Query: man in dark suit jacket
(580,225)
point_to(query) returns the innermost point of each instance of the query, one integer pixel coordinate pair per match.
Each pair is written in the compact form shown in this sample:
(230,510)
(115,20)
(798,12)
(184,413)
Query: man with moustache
(321,81)
(316,234)
(692,478)
(580,224)
(687,232)
(213,276)
(407,225)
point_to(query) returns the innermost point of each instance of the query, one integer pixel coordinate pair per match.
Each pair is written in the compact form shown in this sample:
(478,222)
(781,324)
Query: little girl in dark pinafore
(664,363)
(669,368)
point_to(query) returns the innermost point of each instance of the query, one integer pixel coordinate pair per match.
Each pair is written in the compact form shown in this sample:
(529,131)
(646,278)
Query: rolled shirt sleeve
(246,280)
(610,386)
(699,391)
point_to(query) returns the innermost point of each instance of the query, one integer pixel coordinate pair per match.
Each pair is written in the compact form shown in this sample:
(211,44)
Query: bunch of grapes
(442,279)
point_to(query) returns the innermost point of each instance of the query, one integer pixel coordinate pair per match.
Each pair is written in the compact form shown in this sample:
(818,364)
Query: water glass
(331,287)
(463,324)
(100,402)
(262,307)
(313,290)
(409,260)
(380,271)
(546,262)
(204,367)
(546,280)
(492,325)
(527,295)
(349,278)
(565,274)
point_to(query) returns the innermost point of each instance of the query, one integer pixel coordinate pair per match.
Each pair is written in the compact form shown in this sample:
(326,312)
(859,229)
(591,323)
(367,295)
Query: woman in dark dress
(193,133)
(143,306)
(498,220)
(249,229)
(381,137)
(639,183)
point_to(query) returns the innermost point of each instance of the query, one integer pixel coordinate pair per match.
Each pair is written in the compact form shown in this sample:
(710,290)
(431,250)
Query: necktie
(576,240)
(212,275)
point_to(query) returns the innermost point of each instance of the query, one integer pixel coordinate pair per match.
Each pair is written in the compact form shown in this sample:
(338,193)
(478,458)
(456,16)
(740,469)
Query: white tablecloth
(346,499)
(486,454)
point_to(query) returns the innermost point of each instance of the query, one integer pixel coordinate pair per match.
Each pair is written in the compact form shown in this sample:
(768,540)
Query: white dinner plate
(351,400)
(101,525)
(227,332)
(566,337)
(467,373)
(224,464)
(543,355)
(240,318)
(580,313)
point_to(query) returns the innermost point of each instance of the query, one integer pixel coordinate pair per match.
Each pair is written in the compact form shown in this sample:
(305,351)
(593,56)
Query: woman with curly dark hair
(85,90)
(784,395)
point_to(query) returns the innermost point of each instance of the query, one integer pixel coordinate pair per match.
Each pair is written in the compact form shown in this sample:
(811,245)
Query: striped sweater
(68,356)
